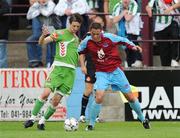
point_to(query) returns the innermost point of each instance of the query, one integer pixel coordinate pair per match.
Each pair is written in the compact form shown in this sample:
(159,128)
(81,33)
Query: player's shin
(137,108)
(37,107)
(84,103)
(94,112)
(49,112)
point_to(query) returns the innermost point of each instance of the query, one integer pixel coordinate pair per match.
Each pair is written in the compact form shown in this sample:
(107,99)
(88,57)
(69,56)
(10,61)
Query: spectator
(100,6)
(165,28)
(128,24)
(4,27)
(40,12)
(65,8)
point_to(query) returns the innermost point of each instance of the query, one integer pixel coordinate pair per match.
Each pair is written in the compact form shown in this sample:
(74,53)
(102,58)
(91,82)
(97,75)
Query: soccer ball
(71,124)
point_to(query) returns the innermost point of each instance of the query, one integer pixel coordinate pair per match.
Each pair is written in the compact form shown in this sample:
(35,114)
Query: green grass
(103,130)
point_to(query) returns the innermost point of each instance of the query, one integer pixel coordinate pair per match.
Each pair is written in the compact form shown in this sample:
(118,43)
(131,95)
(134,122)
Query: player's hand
(137,48)
(84,69)
(45,31)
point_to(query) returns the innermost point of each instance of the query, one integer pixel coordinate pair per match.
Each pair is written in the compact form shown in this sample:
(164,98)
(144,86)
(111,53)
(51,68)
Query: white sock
(42,120)
(33,117)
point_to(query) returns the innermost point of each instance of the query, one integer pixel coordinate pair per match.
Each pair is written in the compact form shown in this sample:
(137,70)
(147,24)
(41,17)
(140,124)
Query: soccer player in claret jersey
(62,74)
(89,78)
(103,48)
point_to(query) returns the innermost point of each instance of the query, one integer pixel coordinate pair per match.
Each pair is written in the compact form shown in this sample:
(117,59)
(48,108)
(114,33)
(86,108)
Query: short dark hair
(76,17)
(95,25)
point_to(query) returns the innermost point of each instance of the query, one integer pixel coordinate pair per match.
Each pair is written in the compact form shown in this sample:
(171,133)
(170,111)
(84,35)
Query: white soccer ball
(71,124)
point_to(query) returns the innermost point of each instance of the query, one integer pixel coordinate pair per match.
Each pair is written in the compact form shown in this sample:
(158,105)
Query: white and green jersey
(66,48)
(118,9)
(161,21)
(132,8)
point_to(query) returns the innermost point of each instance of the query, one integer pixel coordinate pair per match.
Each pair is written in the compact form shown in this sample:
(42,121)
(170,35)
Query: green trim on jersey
(66,47)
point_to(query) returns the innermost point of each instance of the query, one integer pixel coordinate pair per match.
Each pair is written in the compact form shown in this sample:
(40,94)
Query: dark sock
(84,103)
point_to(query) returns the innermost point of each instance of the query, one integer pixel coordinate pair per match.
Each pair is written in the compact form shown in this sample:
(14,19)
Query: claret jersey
(105,53)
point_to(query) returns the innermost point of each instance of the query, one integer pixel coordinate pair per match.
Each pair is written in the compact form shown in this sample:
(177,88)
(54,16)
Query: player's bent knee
(99,99)
(130,97)
(56,99)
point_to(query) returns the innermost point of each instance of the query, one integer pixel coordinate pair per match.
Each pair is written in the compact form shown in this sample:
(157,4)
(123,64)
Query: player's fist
(45,31)
(137,48)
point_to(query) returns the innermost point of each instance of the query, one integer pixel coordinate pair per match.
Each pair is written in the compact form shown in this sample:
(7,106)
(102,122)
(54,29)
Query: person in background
(62,74)
(40,13)
(65,8)
(165,28)
(101,6)
(103,48)
(128,25)
(4,29)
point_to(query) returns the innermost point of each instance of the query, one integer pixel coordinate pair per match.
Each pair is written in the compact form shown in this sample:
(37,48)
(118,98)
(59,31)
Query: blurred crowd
(124,17)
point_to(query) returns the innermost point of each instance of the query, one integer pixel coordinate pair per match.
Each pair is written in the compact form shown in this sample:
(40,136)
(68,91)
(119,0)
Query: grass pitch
(102,130)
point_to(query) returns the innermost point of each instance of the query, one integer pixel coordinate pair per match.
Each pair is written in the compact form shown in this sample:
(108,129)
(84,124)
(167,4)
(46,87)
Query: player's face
(42,2)
(126,3)
(96,34)
(74,27)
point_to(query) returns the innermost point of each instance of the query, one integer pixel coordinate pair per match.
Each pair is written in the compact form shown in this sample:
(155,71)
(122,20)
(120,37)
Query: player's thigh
(102,81)
(99,96)
(54,78)
(120,82)
(60,78)
(90,76)
(67,81)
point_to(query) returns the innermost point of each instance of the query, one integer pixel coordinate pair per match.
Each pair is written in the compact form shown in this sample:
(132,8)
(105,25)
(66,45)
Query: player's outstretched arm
(44,38)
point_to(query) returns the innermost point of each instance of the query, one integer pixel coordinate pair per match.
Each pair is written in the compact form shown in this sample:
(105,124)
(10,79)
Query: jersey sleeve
(120,40)
(57,35)
(82,49)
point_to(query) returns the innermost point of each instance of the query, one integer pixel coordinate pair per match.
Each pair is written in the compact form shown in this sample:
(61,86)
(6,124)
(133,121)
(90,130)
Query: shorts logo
(126,86)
